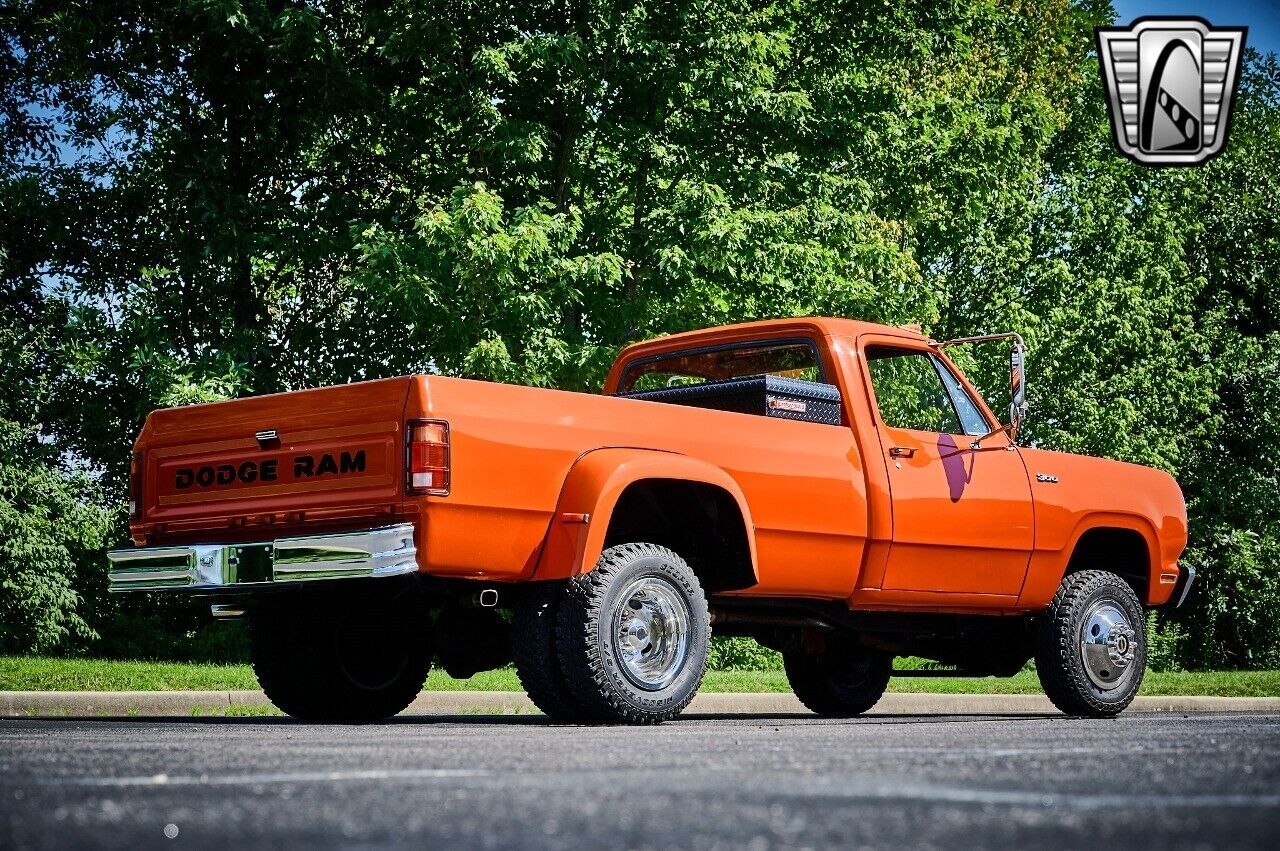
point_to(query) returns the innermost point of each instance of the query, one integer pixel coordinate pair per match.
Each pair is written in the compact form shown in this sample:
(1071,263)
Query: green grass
(1221,683)
(37,673)
(19,673)
(505,680)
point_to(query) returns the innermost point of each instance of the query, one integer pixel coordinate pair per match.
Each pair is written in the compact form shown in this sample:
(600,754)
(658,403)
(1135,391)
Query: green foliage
(1163,641)
(741,654)
(1236,616)
(52,529)
(202,199)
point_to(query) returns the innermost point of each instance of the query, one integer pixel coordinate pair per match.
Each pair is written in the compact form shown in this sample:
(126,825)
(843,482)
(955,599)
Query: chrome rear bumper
(206,567)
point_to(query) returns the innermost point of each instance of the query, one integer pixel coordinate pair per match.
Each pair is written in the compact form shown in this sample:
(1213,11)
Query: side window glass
(971,418)
(909,391)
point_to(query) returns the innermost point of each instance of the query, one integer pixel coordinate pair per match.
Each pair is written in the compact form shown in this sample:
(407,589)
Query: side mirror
(1017,388)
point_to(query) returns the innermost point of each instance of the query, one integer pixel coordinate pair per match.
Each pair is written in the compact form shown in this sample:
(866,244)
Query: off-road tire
(842,681)
(584,636)
(346,667)
(537,658)
(1058,656)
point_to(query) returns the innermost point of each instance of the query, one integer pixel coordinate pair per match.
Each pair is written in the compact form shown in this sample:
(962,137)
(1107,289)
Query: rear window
(789,359)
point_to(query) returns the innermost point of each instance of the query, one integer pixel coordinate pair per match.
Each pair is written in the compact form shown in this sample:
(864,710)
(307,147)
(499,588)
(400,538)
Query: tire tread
(809,682)
(537,656)
(579,622)
(1061,676)
(295,665)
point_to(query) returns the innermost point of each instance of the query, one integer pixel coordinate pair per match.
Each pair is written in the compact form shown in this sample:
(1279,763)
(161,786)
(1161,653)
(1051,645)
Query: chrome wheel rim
(1108,645)
(651,633)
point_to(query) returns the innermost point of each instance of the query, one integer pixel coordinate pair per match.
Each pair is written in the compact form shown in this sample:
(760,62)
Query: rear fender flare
(591,491)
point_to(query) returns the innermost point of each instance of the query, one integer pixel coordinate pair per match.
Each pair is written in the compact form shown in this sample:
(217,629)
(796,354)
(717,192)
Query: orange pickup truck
(835,489)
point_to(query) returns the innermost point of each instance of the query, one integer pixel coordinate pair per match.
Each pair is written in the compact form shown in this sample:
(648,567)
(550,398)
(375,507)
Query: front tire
(317,664)
(842,681)
(633,636)
(1091,645)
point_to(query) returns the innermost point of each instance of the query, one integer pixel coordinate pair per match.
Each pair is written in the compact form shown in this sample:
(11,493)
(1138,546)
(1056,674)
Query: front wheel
(1091,645)
(633,636)
(841,681)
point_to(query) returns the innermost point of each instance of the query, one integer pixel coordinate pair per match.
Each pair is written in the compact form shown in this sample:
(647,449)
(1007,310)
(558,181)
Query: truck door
(962,517)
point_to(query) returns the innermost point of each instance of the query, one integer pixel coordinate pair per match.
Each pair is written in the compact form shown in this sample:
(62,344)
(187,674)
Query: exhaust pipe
(486,599)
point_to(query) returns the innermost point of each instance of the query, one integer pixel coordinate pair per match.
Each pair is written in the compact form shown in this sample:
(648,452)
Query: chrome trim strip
(387,551)
(380,553)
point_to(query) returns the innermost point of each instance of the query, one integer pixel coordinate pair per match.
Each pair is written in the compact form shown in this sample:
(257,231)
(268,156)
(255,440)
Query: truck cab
(835,489)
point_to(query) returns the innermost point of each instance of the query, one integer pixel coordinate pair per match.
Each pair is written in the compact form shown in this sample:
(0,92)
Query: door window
(909,392)
(914,390)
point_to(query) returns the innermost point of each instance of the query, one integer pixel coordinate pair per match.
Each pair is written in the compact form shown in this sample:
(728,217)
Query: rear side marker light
(427,457)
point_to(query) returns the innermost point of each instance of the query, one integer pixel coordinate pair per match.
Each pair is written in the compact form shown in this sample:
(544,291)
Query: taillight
(427,451)
(135,485)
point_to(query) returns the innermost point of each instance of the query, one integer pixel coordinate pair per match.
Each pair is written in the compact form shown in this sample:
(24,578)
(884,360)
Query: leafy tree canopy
(210,198)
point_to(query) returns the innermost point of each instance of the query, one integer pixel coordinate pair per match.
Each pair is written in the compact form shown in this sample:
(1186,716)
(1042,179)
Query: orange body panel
(1092,493)
(514,447)
(962,518)
(593,488)
(535,475)
(312,424)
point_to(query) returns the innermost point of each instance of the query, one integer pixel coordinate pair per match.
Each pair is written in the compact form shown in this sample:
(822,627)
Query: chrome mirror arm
(1004,429)
(984,338)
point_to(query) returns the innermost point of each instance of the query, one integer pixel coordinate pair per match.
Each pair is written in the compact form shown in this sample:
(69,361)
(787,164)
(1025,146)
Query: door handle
(901,452)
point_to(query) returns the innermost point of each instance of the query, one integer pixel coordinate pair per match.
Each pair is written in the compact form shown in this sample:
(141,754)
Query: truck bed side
(512,448)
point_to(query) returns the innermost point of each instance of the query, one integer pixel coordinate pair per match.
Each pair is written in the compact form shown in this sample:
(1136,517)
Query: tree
(52,529)
(1230,478)
(209,198)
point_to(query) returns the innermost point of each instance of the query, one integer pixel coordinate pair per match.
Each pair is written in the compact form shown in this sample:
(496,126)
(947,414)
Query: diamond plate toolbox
(763,395)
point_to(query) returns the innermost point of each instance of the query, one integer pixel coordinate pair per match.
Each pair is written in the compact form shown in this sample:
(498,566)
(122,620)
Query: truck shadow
(483,720)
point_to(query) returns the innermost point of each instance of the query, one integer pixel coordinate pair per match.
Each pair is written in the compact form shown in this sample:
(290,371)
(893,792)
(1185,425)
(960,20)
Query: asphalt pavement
(1145,780)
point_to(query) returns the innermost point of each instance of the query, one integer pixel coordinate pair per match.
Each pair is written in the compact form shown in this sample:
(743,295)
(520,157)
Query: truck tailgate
(336,452)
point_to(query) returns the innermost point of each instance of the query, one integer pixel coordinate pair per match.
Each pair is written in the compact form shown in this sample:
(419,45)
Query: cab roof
(819,325)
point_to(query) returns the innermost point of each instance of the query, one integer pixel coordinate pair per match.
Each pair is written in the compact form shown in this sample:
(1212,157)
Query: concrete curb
(45,704)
